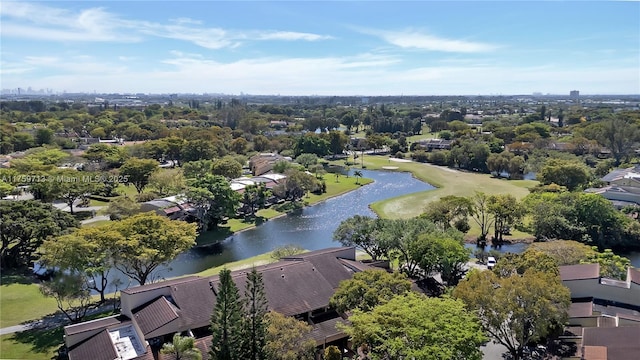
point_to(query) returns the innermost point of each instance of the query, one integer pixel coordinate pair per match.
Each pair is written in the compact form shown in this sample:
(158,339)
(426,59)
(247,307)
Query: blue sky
(322,48)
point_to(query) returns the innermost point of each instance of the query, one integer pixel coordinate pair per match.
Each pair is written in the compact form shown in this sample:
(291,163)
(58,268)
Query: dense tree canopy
(288,338)
(226,320)
(148,241)
(368,289)
(24,225)
(414,326)
(214,200)
(363,232)
(137,172)
(518,309)
(87,252)
(566,173)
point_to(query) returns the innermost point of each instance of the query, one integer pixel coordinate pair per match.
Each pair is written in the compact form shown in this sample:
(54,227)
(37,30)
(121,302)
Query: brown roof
(581,309)
(355,265)
(621,342)
(579,272)
(158,285)
(97,347)
(159,313)
(594,353)
(95,324)
(634,275)
(291,287)
(196,300)
(327,331)
(331,268)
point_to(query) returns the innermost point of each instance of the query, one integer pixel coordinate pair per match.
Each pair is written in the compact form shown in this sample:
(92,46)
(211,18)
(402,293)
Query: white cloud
(413,39)
(210,38)
(36,21)
(290,36)
(7,68)
(364,74)
(41,22)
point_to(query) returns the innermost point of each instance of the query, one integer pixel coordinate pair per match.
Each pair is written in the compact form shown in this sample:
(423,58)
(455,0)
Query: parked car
(491,262)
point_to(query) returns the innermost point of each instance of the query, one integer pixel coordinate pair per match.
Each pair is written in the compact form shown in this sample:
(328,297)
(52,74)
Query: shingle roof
(634,275)
(195,301)
(157,314)
(158,285)
(579,272)
(581,309)
(327,330)
(97,347)
(95,324)
(615,175)
(621,342)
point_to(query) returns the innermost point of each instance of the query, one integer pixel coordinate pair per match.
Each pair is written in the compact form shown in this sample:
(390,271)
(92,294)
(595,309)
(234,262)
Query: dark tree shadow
(10,277)
(41,341)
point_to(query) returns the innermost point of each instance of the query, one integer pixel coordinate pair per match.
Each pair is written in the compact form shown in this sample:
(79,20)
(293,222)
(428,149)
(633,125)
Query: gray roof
(614,175)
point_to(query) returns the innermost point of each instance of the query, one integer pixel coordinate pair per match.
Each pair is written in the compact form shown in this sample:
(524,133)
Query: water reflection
(310,228)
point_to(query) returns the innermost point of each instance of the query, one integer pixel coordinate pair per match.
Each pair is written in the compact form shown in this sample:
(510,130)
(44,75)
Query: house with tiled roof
(263,163)
(623,187)
(604,316)
(298,286)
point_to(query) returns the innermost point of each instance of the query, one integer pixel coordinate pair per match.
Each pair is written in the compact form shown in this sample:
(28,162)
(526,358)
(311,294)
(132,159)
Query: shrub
(148,196)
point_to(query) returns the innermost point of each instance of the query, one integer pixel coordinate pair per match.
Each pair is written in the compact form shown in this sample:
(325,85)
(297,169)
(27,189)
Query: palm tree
(182,348)
(357,174)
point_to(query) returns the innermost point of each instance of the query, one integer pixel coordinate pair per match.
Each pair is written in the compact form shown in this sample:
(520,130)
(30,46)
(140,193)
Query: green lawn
(425,135)
(21,300)
(31,345)
(448,182)
(36,344)
(240,264)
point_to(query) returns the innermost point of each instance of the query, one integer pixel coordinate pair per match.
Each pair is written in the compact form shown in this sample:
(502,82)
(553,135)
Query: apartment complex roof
(580,272)
(295,285)
(622,343)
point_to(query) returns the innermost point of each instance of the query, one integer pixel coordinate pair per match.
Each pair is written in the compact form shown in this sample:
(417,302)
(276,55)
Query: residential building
(298,286)
(604,317)
(623,187)
(434,144)
(263,163)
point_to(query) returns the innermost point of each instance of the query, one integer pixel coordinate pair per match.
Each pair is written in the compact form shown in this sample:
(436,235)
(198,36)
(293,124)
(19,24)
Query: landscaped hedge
(101,198)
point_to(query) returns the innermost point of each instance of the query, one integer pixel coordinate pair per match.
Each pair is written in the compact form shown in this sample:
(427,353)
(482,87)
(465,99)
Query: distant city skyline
(340,48)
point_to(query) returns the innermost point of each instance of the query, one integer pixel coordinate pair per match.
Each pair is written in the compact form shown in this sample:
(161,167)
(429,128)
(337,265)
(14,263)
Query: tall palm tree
(357,174)
(182,348)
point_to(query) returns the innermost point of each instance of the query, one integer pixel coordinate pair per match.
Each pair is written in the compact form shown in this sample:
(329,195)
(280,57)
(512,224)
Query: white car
(491,262)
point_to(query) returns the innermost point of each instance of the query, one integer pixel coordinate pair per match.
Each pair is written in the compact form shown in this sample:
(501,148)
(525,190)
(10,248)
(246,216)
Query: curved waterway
(310,228)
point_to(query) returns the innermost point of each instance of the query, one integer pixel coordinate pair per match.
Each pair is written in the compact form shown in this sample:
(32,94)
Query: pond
(310,228)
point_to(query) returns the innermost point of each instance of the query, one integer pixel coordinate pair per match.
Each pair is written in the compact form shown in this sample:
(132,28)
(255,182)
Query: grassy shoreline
(21,300)
(447,182)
